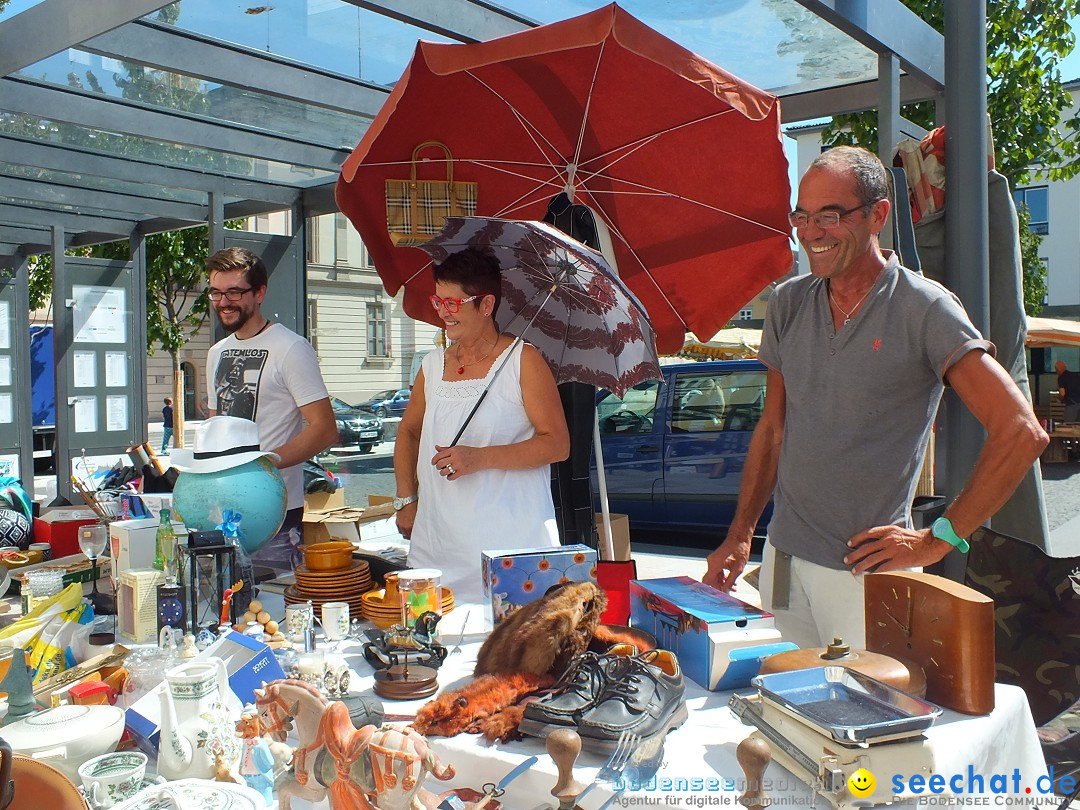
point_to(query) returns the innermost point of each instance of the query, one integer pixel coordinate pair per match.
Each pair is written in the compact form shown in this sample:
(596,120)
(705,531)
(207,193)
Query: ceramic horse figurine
(362,769)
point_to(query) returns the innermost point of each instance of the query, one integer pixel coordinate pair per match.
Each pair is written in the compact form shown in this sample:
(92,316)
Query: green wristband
(943,530)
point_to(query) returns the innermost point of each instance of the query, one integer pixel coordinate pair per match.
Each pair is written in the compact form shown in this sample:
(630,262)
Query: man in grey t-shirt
(859,352)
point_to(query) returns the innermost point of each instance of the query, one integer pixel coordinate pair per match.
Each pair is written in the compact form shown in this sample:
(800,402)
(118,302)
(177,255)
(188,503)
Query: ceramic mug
(297,620)
(335,620)
(112,778)
(44,548)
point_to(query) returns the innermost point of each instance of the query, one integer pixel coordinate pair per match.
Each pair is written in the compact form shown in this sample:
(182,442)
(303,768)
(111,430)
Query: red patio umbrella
(680,160)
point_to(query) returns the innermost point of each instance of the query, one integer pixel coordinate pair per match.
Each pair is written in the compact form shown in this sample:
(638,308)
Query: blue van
(674,449)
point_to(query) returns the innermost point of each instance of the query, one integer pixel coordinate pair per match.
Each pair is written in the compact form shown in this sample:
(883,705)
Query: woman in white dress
(492,490)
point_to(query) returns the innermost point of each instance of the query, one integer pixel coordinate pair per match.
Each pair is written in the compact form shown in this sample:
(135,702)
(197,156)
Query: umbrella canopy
(680,160)
(1046,332)
(563,298)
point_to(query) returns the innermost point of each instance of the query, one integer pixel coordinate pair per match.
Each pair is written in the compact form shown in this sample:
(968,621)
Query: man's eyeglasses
(452,304)
(232,295)
(822,219)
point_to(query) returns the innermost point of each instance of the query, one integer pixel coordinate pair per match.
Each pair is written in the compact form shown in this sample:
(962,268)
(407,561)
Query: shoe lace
(580,674)
(624,678)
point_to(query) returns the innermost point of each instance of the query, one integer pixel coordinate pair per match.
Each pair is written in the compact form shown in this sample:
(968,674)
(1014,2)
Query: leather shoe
(643,695)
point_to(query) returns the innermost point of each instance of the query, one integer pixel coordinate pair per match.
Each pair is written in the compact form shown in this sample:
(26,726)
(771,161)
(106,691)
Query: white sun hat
(221,443)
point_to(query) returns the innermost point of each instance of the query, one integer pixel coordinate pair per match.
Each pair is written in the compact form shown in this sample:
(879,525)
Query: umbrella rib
(588,106)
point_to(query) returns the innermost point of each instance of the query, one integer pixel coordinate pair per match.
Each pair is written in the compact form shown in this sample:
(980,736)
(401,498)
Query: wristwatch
(401,503)
(942,529)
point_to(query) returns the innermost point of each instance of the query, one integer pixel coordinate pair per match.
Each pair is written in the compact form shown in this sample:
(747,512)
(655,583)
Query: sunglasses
(453,305)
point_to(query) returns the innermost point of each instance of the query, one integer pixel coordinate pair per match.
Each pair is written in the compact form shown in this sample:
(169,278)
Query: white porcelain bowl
(67,736)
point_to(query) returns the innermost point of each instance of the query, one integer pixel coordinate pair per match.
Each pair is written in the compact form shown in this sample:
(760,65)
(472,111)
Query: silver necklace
(848,315)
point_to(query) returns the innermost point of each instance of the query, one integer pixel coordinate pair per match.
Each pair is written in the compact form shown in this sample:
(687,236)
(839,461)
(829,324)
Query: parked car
(674,449)
(357,425)
(391,402)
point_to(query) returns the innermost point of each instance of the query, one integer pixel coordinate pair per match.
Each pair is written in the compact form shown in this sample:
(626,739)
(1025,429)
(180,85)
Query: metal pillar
(967,248)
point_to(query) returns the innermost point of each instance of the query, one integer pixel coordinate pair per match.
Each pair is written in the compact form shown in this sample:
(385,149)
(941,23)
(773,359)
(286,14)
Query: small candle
(311,663)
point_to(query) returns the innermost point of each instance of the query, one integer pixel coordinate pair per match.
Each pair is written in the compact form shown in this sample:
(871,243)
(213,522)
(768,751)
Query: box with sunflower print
(514,578)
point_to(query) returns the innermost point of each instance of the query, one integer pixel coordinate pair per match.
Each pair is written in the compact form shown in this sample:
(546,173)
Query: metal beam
(49,194)
(52,26)
(81,161)
(171,127)
(320,200)
(462,20)
(807,105)
(25,215)
(168,48)
(889,26)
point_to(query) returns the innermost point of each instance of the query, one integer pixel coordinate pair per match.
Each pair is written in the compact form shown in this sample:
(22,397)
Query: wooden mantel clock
(943,626)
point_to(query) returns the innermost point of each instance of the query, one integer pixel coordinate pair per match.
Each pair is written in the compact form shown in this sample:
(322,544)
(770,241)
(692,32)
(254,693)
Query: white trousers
(823,603)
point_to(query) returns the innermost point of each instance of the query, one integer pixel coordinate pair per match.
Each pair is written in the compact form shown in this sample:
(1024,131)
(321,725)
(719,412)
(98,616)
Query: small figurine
(187,647)
(390,648)
(19,687)
(226,601)
(257,761)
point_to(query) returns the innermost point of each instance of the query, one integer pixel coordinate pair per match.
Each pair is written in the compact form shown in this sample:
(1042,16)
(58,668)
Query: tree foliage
(1029,108)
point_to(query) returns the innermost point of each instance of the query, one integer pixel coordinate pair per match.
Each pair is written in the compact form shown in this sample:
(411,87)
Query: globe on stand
(255,490)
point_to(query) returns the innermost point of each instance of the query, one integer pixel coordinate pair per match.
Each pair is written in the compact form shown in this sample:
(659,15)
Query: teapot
(197,725)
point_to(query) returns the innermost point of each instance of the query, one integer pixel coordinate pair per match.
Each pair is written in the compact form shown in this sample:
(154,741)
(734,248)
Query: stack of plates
(381,613)
(340,585)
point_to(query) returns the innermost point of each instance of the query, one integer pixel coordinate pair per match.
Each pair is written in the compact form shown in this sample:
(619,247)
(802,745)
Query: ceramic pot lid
(906,677)
(61,726)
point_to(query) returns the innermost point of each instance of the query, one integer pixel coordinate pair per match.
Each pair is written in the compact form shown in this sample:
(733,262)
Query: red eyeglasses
(452,304)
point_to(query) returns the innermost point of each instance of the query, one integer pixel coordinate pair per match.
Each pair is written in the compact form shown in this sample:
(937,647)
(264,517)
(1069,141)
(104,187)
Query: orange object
(328,556)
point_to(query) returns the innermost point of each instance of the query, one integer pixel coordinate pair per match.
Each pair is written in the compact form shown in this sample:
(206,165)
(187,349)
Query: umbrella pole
(601,481)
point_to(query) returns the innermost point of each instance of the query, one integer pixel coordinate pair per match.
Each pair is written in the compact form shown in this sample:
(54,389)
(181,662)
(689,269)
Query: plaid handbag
(416,209)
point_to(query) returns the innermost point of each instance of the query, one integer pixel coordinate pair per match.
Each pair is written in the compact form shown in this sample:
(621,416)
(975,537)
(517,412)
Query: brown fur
(543,636)
(475,706)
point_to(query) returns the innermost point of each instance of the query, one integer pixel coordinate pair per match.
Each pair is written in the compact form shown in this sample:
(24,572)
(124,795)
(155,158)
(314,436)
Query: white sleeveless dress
(489,509)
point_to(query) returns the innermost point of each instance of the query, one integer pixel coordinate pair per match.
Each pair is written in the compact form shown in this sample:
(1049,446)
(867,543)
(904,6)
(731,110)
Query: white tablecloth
(701,754)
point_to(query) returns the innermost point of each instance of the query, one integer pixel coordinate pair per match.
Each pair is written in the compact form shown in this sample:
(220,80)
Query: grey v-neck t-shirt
(860,404)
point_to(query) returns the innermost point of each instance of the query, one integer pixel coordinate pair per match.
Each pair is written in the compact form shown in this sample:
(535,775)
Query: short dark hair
(871,179)
(476,272)
(237,258)
(168,400)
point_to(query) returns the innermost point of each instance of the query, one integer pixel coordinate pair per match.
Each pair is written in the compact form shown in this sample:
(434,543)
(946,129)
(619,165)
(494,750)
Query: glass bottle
(163,540)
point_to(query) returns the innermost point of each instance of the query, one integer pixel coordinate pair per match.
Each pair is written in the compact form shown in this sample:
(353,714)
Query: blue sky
(1070,65)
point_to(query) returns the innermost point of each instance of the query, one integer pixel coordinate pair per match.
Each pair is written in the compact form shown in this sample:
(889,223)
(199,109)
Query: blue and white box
(718,639)
(513,578)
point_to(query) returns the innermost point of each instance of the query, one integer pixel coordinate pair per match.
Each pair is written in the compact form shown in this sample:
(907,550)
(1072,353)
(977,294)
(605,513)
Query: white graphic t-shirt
(267,378)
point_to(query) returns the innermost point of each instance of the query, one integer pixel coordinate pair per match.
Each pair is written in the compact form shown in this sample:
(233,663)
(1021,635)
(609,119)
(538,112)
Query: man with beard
(270,375)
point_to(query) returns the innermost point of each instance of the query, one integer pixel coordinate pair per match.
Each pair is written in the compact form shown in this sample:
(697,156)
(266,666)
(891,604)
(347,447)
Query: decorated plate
(194,793)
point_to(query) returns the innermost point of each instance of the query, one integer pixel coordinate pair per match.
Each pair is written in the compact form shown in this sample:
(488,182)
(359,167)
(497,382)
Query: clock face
(170,611)
(944,627)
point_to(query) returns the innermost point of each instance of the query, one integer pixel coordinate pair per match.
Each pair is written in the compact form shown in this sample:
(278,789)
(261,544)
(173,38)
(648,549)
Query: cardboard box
(248,662)
(136,603)
(620,535)
(133,543)
(59,527)
(515,577)
(323,501)
(719,640)
(342,524)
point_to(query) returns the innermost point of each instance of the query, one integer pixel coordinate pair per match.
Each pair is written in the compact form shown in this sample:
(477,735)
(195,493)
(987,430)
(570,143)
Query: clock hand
(906,628)
(910,615)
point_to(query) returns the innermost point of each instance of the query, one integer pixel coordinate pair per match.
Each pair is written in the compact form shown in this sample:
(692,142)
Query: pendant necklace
(462,366)
(848,315)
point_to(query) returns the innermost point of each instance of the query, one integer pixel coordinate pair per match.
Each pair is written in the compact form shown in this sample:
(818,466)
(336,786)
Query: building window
(378,345)
(312,235)
(1036,199)
(746,315)
(365,258)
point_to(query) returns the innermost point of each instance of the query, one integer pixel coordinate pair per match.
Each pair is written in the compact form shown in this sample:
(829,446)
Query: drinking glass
(92,541)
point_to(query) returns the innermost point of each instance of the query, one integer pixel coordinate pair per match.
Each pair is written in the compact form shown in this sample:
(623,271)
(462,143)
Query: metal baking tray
(847,705)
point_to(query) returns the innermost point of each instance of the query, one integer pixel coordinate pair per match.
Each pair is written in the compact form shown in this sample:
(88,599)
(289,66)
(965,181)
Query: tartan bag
(416,209)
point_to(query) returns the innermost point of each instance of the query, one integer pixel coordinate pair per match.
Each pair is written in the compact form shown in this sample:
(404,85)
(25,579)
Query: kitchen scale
(824,724)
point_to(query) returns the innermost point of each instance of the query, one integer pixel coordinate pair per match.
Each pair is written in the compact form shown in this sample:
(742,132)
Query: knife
(491,791)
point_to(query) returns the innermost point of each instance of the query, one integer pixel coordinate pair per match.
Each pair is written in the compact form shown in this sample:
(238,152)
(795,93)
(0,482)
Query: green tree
(1027,103)
(1034,266)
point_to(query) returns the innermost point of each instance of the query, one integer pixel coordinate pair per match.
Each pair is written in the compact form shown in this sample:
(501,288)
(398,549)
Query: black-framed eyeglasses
(232,295)
(822,219)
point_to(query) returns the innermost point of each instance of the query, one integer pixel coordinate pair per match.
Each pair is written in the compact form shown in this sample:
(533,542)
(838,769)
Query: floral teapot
(197,721)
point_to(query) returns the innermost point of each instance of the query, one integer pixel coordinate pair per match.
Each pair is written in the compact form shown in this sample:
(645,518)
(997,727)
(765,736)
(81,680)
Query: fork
(617,762)
(646,760)
(461,635)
